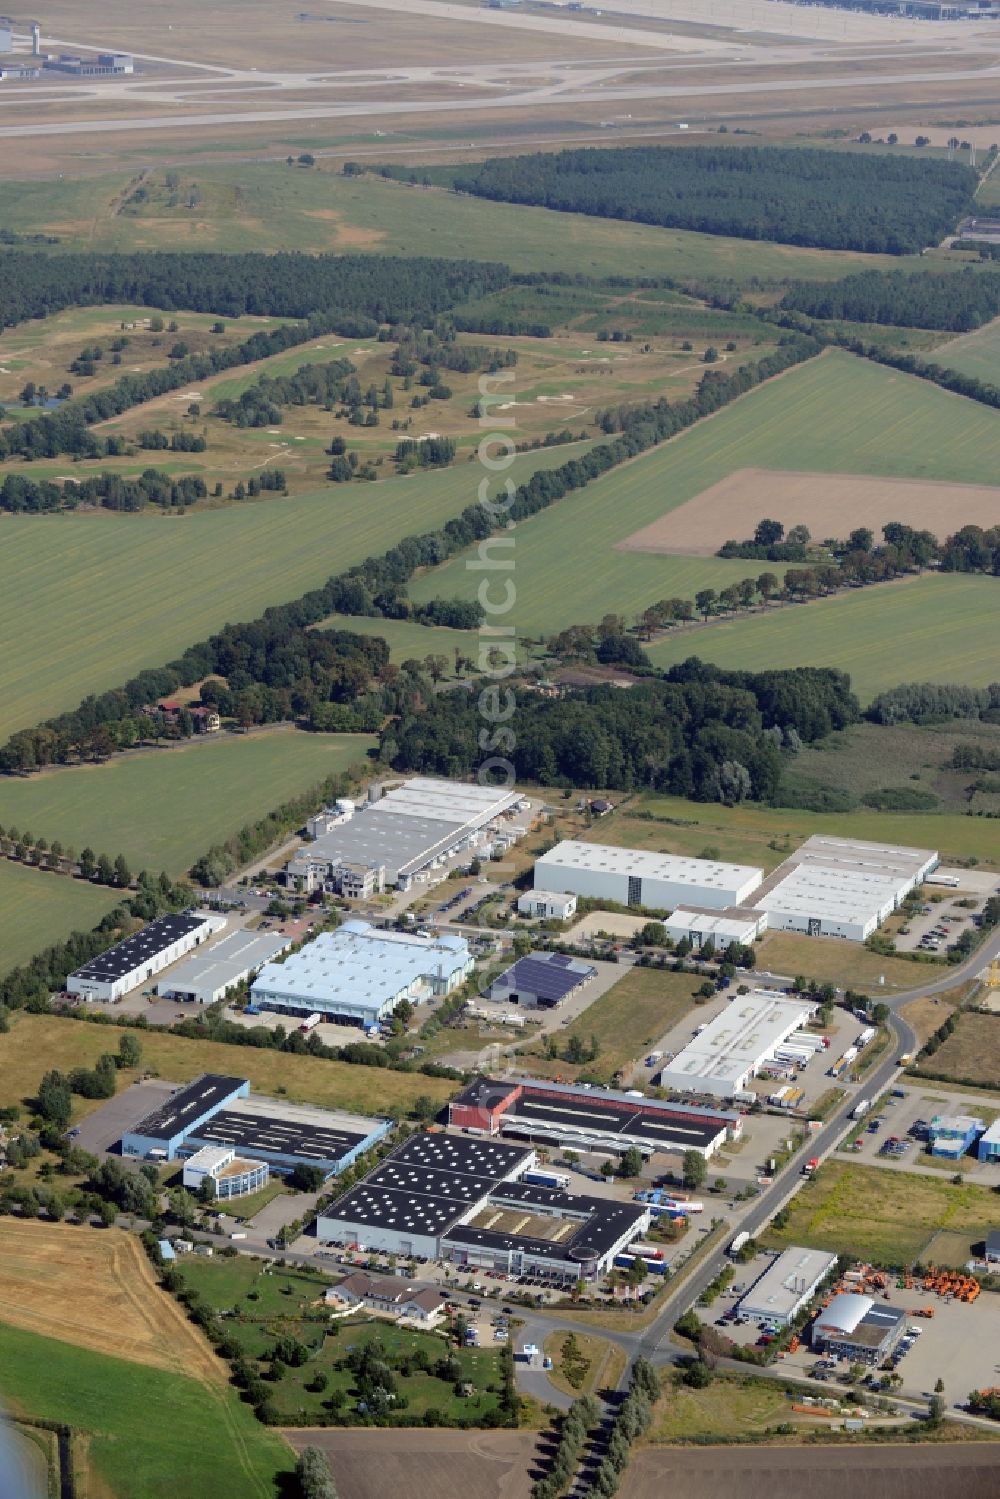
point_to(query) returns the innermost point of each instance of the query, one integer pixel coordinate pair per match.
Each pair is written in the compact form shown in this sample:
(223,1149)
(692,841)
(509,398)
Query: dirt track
(829,504)
(425,1464)
(96,1288)
(922,1471)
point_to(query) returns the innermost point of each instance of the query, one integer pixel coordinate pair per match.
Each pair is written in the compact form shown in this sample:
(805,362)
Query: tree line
(956,301)
(927,702)
(270,689)
(695,732)
(894,205)
(379,288)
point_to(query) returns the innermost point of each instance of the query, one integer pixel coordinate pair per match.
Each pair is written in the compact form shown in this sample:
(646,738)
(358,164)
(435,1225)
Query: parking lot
(960,1344)
(939,924)
(905,1118)
(102,1129)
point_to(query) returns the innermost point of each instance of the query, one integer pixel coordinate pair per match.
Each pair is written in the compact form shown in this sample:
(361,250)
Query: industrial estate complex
(219,1111)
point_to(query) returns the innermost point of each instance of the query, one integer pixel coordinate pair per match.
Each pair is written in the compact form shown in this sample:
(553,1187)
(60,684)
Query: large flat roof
(593,1225)
(604,858)
(794,1274)
(191,1102)
(742,1034)
(490,1092)
(550,976)
(430,1182)
(225,962)
(267,1124)
(140,948)
(409,826)
(843,879)
(360,967)
(538,1116)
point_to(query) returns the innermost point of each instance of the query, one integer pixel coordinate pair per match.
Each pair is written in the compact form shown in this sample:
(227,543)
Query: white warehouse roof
(787,1283)
(717,926)
(736,1043)
(843,1314)
(678,869)
(359,969)
(847,884)
(219,967)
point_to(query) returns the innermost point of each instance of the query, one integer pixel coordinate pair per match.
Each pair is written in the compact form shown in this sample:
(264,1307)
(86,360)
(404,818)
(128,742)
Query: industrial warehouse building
(547,905)
(787,1285)
(230,1175)
(700,926)
(218,1111)
(210,976)
(857,1328)
(988,1148)
(841,887)
(585,1119)
(541,981)
(636,877)
(952,1135)
(358,974)
(736,1044)
(452,1198)
(404,834)
(139,958)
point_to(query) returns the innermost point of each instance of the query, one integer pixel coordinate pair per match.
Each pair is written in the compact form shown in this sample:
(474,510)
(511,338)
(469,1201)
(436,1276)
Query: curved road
(652,1342)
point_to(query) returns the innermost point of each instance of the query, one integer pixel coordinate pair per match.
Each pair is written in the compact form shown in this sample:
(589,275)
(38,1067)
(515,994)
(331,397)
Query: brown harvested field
(950,1470)
(95,1288)
(829,504)
(924,1016)
(371,1463)
(971,1053)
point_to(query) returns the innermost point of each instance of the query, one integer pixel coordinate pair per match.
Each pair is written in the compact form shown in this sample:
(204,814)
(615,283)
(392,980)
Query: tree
(768,533)
(129,1050)
(695,1168)
(935,1410)
(313,1474)
(705,600)
(939,1386)
(631,1162)
(123,875)
(88,864)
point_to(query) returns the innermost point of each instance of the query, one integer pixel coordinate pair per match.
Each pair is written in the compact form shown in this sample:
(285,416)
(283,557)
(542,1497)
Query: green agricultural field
(408,640)
(751,834)
(976,354)
(886,1217)
(37,908)
(263,206)
(944,628)
(147,1434)
(91,599)
(162,808)
(836,414)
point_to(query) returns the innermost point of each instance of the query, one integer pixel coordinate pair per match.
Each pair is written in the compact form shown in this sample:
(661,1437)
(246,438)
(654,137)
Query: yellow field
(96,1289)
(36,1043)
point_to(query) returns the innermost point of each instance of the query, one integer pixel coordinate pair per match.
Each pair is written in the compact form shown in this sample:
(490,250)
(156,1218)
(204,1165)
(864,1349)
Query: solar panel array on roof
(550,977)
(143,946)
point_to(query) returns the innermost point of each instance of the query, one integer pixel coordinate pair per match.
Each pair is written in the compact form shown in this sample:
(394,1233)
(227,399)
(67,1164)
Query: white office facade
(787,1285)
(547,905)
(636,877)
(139,958)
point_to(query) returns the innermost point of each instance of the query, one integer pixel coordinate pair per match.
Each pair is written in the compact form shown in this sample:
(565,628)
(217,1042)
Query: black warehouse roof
(138,949)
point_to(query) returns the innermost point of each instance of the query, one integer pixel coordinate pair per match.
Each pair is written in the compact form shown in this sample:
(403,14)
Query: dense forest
(388,289)
(956,301)
(697,732)
(374,587)
(838,200)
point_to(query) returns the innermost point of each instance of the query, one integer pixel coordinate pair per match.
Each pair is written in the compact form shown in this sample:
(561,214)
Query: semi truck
(310,1023)
(558,1180)
(741,1238)
(860,1108)
(863,1038)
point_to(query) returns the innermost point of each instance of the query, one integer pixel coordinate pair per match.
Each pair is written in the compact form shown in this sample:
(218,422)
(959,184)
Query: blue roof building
(952,1135)
(989,1144)
(358,974)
